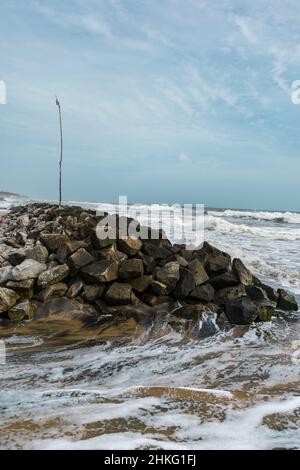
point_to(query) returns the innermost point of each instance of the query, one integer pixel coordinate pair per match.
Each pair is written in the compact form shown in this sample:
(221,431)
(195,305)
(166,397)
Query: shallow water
(128,387)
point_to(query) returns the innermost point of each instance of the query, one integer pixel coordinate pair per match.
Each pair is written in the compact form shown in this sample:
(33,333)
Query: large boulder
(5,274)
(215,260)
(25,289)
(38,253)
(29,269)
(8,298)
(149,263)
(141,284)
(242,311)
(155,251)
(229,293)
(286,301)
(185,284)
(54,241)
(168,274)
(22,311)
(75,288)
(55,290)
(205,293)
(112,253)
(101,271)
(92,291)
(131,268)
(79,259)
(119,294)
(221,281)
(256,293)
(129,245)
(242,273)
(67,248)
(198,271)
(53,276)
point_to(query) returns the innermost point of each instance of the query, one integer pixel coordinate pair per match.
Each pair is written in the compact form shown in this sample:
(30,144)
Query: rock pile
(51,261)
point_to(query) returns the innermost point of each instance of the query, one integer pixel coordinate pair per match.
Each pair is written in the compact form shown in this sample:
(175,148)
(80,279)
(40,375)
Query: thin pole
(61,150)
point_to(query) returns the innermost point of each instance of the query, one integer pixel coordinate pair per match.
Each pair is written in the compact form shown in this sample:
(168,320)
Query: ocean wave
(283,217)
(224,226)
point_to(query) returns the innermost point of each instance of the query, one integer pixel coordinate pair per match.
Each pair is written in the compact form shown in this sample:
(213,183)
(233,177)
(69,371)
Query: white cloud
(243,23)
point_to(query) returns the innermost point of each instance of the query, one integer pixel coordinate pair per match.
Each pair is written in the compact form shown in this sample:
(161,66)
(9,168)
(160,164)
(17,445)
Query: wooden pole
(61,152)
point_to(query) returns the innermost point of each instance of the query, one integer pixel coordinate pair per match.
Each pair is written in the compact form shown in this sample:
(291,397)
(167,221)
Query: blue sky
(163,100)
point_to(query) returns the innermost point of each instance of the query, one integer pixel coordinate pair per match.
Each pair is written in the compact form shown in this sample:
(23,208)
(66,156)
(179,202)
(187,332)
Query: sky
(166,101)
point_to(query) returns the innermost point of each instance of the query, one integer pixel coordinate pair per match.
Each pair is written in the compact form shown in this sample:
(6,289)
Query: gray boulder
(129,245)
(198,271)
(79,259)
(53,276)
(205,293)
(131,268)
(25,289)
(29,269)
(101,271)
(242,273)
(119,294)
(286,301)
(168,274)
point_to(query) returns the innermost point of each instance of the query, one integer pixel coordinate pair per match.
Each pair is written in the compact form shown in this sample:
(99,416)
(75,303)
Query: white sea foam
(287,217)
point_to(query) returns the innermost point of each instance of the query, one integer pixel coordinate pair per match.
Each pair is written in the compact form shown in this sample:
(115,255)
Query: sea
(162,387)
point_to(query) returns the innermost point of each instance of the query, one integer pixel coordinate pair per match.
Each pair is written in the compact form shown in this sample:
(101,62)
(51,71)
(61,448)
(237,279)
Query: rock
(101,271)
(79,259)
(55,290)
(141,284)
(205,293)
(198,271)
(111,253)
(242,311)
(149,263)
(182,261)
(286,301)
(159,288)
(23,311)
(271,293)
(185,284)
(5,274)
(256,293)
(131,268)
(25,289)
(242,273)
(75,289)
(92,292)
(218,264)
(129,245)
(53,276)
(188,255)
(155,251)
(8,298)
(54,241)
(224,280)
(215,261)
(16,257)
(265,310)
(229,293)
(66,249)
(118,294)
(38,253)
(29,269)
(168,274)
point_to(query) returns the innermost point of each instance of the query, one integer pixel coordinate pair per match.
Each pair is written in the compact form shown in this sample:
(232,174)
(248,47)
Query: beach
(162,386)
